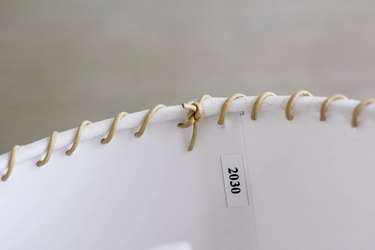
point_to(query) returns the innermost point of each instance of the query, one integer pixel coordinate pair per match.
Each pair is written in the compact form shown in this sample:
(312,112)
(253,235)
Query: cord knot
(194,116)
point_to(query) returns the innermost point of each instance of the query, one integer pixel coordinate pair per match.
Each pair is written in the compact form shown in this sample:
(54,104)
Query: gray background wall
(65,61)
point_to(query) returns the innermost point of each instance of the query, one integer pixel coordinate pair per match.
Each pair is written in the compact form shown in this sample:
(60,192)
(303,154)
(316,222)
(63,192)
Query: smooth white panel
(130,194)
(309,184)
(312,182)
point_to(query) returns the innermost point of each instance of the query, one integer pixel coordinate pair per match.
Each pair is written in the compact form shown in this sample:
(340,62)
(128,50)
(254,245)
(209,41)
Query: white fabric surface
(309,183)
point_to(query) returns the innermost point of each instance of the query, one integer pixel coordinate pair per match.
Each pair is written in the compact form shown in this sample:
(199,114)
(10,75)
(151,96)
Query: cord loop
(258,103)
(50,148)
(357,110)
(289,106)
(225,107)
(113,128)
(10,168)
(147,119)
(327,103)
(77,137)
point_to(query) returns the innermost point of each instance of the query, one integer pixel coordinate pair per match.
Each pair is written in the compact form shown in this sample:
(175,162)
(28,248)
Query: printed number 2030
(234,183)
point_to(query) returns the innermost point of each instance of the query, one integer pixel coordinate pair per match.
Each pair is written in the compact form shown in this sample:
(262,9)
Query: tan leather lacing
(225,107)
(77,138)
(147,119)
(258,103)
(357,110)
(12,157)
(327,103)
(51,146)
(194,116)
(113,128)
(291,101)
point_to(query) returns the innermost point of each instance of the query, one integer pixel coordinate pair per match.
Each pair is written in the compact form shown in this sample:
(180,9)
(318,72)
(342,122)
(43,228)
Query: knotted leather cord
(194,116)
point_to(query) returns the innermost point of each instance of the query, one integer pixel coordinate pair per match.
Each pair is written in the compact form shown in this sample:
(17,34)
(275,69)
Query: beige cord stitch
(10,163)
(327,103)
(258,103)
(51,146)
(291,101)
(113,128)
(357,110)
(147,119)
(225,107)
(194,116)
(77,138)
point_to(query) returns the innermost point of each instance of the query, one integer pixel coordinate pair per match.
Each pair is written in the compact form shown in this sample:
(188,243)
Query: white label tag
(234,180)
